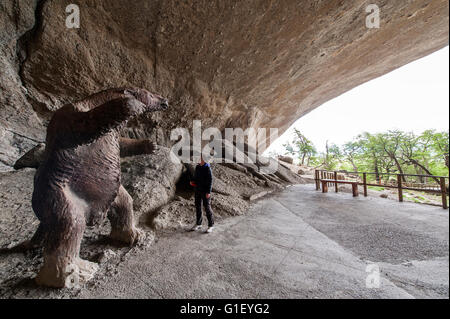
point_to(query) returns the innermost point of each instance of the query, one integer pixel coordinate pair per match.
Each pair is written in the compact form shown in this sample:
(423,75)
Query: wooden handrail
(372,173)
(441,187)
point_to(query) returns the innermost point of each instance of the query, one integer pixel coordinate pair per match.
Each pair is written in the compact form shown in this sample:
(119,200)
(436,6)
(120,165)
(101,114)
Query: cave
(246,65)
(234,64)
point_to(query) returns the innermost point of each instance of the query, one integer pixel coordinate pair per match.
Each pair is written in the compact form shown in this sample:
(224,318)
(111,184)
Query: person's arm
(194,178)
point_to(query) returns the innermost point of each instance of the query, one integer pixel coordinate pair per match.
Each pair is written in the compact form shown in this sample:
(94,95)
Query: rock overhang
(229,64)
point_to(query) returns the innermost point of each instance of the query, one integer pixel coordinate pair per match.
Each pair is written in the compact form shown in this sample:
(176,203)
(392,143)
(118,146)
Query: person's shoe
(196,228)
(210,229)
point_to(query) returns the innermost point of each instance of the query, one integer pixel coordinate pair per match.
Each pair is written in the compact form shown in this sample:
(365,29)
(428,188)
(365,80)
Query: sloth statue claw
(79,179)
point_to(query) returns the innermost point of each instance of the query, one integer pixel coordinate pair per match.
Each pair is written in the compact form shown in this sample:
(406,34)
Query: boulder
(151,180)
(286,159)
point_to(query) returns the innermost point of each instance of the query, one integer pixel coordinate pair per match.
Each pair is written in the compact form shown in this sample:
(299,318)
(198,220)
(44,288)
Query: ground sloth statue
(79,180)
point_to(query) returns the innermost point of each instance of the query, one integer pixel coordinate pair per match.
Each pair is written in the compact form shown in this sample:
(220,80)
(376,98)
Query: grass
(376,188)
(416,196)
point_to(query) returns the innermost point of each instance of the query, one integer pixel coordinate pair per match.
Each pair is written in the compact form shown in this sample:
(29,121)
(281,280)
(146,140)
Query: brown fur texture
(79,179)
(132,147)
(128,147)
(32,158)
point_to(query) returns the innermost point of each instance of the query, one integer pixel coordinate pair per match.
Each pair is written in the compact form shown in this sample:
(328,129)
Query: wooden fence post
(365,184)
(335,184)
(324,187)
(400,190)
(444,193)
(315,177)
(317,180)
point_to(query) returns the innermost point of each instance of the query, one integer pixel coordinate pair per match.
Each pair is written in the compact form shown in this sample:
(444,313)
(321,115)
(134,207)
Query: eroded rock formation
(229,63)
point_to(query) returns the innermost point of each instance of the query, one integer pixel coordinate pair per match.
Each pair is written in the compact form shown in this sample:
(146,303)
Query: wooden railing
(400,182)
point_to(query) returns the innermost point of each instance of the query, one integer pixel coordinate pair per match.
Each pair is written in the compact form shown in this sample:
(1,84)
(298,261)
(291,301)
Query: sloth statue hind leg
(64,224)
(122,219)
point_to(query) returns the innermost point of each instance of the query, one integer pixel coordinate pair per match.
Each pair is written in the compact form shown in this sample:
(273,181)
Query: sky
(413,98)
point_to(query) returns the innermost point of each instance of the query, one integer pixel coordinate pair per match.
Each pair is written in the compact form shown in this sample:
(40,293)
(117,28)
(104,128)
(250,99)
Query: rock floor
(297,243)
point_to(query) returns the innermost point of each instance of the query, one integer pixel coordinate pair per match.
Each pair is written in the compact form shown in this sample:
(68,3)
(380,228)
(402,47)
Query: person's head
(202,161)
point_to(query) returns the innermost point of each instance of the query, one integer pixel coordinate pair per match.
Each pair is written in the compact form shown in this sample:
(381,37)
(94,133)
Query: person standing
(202,181)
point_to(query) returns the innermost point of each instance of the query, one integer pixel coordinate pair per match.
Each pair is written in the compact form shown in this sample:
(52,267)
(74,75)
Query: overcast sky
(414,98)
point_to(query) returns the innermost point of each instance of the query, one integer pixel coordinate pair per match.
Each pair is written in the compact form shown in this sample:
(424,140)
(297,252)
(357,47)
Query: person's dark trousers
(199,198)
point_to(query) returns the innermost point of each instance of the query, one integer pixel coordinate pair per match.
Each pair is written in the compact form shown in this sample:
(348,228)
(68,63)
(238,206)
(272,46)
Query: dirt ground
(392,194)
(17,223)
(294,243)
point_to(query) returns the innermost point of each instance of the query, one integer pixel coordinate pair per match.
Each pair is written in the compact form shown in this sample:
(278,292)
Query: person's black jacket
(203,178)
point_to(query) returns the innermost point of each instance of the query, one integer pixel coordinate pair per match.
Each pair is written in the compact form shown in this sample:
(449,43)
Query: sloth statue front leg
(132,147)
(63,224)
(122,219)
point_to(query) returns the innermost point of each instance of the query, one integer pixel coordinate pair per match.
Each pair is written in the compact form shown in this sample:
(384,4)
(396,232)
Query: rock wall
(20,126)
(258,63)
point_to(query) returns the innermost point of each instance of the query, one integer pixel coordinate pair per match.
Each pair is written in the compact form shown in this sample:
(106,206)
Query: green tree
(384,153)
(301,147)
(391,142)
(440,145)
(333,156)
(427,153)
(371,152)
(352,152)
